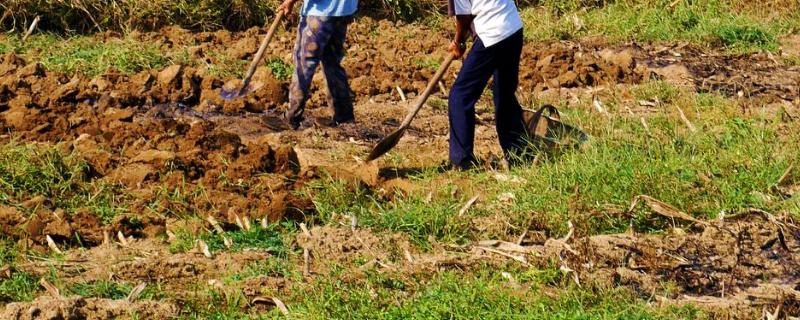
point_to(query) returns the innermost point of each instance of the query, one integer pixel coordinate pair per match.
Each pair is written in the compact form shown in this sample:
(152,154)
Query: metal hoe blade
(235,94)
(386,144)
(391,141)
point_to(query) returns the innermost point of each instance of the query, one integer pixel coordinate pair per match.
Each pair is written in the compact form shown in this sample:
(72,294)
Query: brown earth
(94,309)
(169,129)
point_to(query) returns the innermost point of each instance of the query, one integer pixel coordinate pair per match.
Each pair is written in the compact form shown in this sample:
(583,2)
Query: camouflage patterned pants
(320,39)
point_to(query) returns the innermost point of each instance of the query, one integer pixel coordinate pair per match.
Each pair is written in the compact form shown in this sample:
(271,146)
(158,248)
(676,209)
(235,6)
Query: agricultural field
(129,189)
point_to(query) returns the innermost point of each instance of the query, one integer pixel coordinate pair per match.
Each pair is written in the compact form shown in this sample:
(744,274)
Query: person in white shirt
(496,52)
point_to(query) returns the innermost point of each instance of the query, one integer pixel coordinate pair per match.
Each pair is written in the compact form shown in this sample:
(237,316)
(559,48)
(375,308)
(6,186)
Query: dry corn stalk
(239,222)
(686,121)
(306,262)
(281,306)
(32,28)
(51,289)
(247,225)
(122,240)
(215,224)
(665,210)
(204,248)
(305,230)
(136,292)
(467,205)
(52,245)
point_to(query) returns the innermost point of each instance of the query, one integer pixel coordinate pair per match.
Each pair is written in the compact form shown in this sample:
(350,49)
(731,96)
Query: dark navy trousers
(500,60)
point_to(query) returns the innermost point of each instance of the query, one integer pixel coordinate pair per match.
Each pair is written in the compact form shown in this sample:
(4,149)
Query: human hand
(287,6)
(457,49)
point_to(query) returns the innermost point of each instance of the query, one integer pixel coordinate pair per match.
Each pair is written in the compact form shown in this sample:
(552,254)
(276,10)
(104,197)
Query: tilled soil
(745,263)
(169,128)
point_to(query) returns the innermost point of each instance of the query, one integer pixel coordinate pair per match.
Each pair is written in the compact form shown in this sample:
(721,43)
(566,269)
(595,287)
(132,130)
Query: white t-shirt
(495,20)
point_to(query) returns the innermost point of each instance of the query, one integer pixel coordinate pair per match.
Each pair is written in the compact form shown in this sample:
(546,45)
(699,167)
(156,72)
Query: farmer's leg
(311,39)
(339,93)
(508,118)
(467,89)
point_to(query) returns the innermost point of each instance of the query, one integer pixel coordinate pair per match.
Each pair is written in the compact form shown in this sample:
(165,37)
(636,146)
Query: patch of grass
(706,22)
(19,287)
(99,15)
(410,215)
(438,104)
(431,64)
(269,239)
(181,201)
(219,305)
(734,35)
(453,295)
(87,55)
(106,289)
(272,267)
(225,66)
(281,70)
(8,252)
(272,239)
(28,171)
(729,164)
(100,289)
(660,91)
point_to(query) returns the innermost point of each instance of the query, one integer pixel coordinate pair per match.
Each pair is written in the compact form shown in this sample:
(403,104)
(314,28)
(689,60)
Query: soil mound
(734,268)
(46,308)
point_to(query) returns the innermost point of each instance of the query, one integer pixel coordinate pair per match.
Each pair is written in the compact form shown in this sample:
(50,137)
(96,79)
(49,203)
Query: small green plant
(271,267)
(100,289)
(225,67)
(659,91)
(257,238)
(430,63)
(438,104)
(737,35)
(19,287)
(280,70)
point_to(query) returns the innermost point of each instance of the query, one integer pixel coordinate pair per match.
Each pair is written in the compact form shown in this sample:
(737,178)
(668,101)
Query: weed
(438,104)
(724,166)
(19,287)
(736,35)
(225,67)
(8,252)
(702,22)
(659,91)
(27,171)
(100,289)
(271,267)
(451,295)
(270,239)
(281,70)
(431,64)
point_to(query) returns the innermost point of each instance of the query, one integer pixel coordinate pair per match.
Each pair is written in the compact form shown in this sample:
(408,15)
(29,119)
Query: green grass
(281,70)
(273,239)
(100,289)
(428,63)
(705,22)
(28,171)
(455,295)
(729,164)
(272,267)
(712,23)
(87,55)
(19,287)
(445,295)
(226,66)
